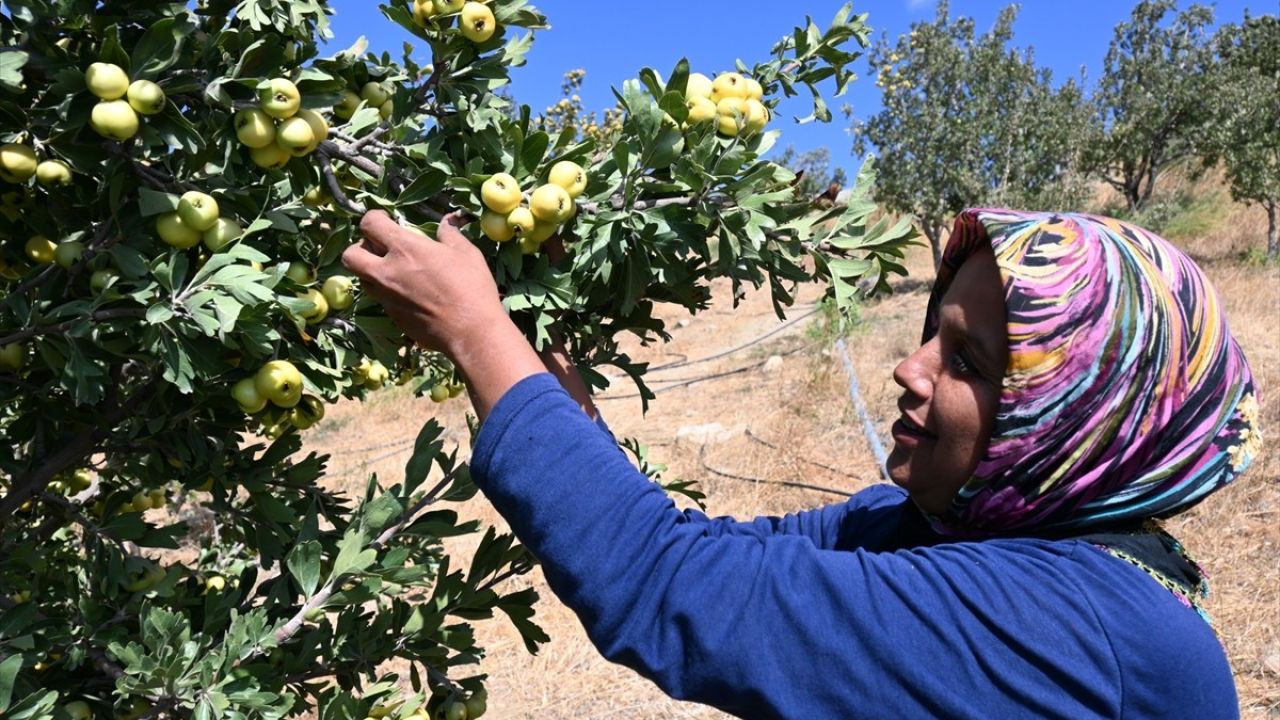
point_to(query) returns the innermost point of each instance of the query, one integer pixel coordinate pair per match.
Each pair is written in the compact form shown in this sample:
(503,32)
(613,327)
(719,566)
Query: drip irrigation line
(784,483)
(705,378)
(868,427)
(744,346)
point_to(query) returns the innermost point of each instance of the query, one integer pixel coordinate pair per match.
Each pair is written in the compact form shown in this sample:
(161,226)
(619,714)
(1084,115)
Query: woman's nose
(917,372)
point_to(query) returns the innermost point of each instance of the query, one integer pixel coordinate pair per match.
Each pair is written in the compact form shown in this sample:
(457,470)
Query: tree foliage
(1244,132)
(1152,99)
(969,120)
(165,548)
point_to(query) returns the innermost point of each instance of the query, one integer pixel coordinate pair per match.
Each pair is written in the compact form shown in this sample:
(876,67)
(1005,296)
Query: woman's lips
(905,430)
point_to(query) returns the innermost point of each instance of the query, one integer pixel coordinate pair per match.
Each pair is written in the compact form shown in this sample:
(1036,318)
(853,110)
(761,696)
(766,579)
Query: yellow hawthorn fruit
(728,85)
(570,176)
(521,221)
(699,85)
(215,584)
(254,128)
(701,110)
(320,309)
(223,232)
(448,7)
(347,106)
(280,98)
(756,116)
(51,173)
(199,211)
(731,111)
(270,157)
(423,11)
(245,392)
(106,80)
(146,97)
(541,232)
(375,93)
(386,109)
(551,204)
(295,136)
(40,249)
(68,253)
(319,126)
(495,227)
(174,232)
(477,22)
(12,357)
(114,119)
(755,91)
(439,393)
(280,382)
(17,162)
(501,193)
(339,292)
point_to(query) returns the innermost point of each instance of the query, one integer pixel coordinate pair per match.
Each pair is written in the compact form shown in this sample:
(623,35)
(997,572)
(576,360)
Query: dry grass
(795,422)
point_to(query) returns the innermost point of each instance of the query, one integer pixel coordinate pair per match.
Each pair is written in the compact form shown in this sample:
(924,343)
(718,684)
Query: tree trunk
(933,231)
(1273,242)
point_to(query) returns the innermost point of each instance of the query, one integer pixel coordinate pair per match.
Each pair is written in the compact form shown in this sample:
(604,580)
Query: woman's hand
(441,293)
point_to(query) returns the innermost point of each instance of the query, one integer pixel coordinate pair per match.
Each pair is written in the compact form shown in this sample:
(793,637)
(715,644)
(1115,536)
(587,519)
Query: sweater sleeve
(864,520)
(773,625)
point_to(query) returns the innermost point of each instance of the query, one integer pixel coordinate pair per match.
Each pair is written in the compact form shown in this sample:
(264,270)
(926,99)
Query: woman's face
(951,389)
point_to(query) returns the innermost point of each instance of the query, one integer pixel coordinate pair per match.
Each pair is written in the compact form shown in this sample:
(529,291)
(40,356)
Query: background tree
(814,170)
(1244,133)
(179,182)
(967,120)
(1152,99)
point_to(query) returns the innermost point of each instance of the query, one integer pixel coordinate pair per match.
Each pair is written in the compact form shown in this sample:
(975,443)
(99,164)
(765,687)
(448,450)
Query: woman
(1076,380)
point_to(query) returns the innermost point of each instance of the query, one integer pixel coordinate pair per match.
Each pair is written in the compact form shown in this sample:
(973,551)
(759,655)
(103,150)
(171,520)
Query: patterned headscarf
(1125,396)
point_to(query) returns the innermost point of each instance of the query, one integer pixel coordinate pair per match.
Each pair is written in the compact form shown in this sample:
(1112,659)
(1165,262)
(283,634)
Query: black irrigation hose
(785,483)
(713,376)
(730,351)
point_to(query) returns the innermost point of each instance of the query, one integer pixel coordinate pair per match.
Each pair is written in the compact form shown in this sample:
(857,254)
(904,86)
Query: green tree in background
(1151,102)
(818,176)
(968,120)
(1245,131)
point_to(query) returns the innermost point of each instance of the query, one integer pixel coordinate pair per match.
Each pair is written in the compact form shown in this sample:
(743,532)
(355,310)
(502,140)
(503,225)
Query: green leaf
(9,668)
(304,565)
(352,556)
(158,49)
(151,202)
(11,64)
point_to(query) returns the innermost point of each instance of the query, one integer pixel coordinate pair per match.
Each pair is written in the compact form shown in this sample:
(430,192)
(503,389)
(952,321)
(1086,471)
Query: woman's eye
(960,363)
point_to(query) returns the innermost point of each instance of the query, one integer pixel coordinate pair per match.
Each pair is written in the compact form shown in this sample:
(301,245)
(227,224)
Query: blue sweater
(803,617)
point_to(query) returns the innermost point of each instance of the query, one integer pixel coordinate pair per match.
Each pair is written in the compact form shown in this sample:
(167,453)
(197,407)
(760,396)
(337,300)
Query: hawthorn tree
(968,120)
(179,181)
(1244,133)
(1153,99)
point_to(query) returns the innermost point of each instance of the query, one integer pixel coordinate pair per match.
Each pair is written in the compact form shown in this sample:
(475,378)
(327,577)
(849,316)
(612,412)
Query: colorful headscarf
(1125,396)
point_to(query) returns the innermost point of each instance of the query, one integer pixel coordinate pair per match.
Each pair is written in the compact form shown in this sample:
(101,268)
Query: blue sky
(613,39)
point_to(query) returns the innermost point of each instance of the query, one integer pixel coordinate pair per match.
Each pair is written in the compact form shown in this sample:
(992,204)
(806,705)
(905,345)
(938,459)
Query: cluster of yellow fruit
(197,220)
(371,374)
(279,128)
(336,293)
(376,94)
(120,101)
(279,383)
(735,102)
(73,484)
(444,391)
(475,19)
(18,163)
(505,217)
(453,709)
